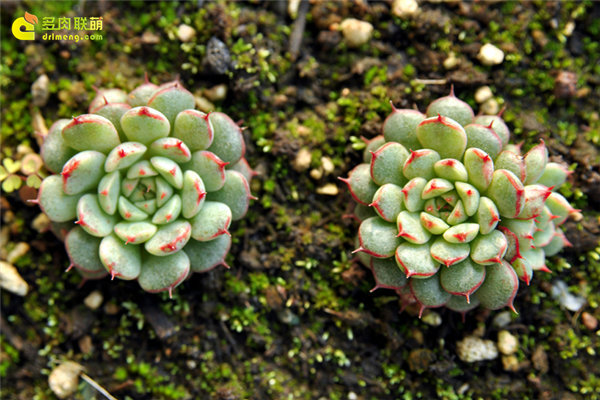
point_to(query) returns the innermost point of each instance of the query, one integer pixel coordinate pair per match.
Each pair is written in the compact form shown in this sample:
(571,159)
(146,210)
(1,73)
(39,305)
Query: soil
(293,318)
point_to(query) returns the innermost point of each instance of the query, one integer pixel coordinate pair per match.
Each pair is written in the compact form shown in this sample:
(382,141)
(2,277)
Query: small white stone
(216,93)
(483,93)
(507,343)
(352,396)
(329,189)
(432,318)
(302,160)
(451,61)
(560,292)
(473,349)
(490,107)
(405,8)
(94,300)
(293,6)
(64,379)
(327,165)
(356,32)
(185,33)
(40,90)
(569,28)
(316,173)
(204,105)
(490,55)
(501,319)
(11,280)
(41,223)
(17,252)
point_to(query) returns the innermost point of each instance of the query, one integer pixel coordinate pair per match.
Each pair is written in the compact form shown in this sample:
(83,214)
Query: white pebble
(17,252)
(451,61)
(329,189)
(490,55)
(473,349)
(356,32)
(483,93)
(185,33)
(293,6)
(327,165)
(40,90)
(507,343)
(490,107)
(302,160)
(94,300)
(11,280)
(432,318)
(64,379)
(405,8)
(560,292)
(501,319)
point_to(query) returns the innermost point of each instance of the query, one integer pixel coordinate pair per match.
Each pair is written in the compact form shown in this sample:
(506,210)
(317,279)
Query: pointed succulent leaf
(553,177)
(415,260)
(433,224)
(141,169)
(462,279)
(91,132)
(535,197)
(148,206)
(55,152)
(82,172)
(145,125)
(401,125)
(458,214)
(387,274)
(235,193)
(436,187)
(536,259)
(556,244)
(487,215)
(535,162)
(480,167)
(489,249)
(83,250)
(129,212)
(91,217)
(523,229)
(123,261)
(363,212)
(171,148)
(128,186)
(165,273)
(210,167)
(499,287)
(412,194)
(559,207)
(195,129)
(449,253)
(451,169)
(469,197)
(169,212)
(507,192)
(135,232)
(377,237)
(484,138)
(452,107)
(228,142)
(387,202)
(459,304)
(168,169)
(371,146)
(444,135)
(193,194)
(213,220)
(450,198)
(124,155)
(429,292)
(164,191)
(497,125)
(243,168)
(462,233)
(169,238)
(362,188)
(171,100)
(420,164)
(513,162)
(431,208)
(411,229)
(107,96)
(57,205)
(113,112)
(523,269)
(542,220)
(205,256)
(141,94)
(385,164)
(544,236)
(109,190)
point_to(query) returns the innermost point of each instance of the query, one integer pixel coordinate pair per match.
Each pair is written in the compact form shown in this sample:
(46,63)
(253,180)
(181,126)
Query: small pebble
(490,55)
(329,189)
(19,251)
(292,8)
(111,308)
(64,379)
(560,292)
(316,173)
(204,104)
(218,57)
(539,358)
(40,90)
(501,319)
(483,93)
(150,38)
(85,344)
(41,223)
(405,8)
(352,396)
(191,364)
(490,107)
(432,318)
(356,32)
(302,160)
(589,321)
(11,280)
(510,363)
(327,165)
(94,300)
(451,61)
(185,33)
(216,93)
(507,343)
(473,349)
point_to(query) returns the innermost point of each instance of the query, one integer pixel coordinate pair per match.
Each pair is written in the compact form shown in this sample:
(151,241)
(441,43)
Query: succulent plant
(451,213)
(145,186)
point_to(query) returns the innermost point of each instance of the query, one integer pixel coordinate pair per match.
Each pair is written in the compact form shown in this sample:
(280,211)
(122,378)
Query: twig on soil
(298,29)
(431,81)
(97,386)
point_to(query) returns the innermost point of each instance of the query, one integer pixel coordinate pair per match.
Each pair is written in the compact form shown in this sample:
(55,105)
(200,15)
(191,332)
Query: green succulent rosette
(145,187)
(451,213)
